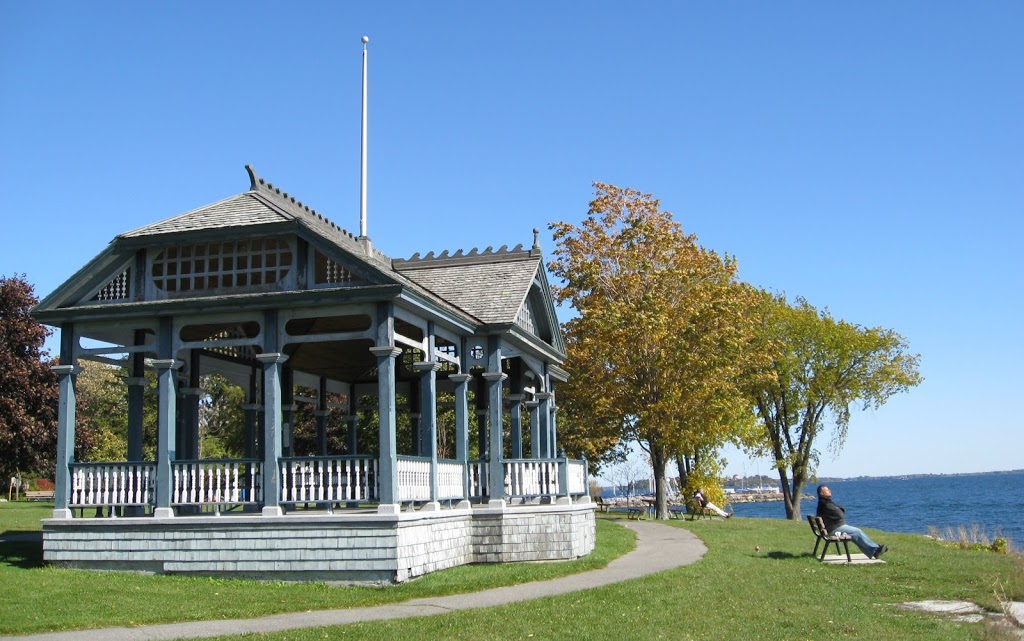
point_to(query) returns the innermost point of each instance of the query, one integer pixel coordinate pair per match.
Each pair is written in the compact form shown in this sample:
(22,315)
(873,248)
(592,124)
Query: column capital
(515,398)
(543,396)
(460,378)
(387,351)
(65,370)
(271,358)
(168,363)
(494,376)
(136,380)
(426,366)
(532,404)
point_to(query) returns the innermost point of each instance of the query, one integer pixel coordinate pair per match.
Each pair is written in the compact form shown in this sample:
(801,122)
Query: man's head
(824,492)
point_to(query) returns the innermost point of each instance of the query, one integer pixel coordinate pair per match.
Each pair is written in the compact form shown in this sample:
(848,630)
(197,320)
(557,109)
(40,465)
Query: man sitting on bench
(833,516)
(703,502)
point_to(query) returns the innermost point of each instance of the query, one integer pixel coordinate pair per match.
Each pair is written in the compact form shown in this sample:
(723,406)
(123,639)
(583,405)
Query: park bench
(38,495)
(822,535)
(635,512)
(696,510)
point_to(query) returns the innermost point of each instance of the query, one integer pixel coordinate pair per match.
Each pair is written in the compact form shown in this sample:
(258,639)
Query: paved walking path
(658,548)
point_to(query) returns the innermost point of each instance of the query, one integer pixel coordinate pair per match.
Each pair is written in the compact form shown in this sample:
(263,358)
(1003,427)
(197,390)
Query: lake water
(992,502)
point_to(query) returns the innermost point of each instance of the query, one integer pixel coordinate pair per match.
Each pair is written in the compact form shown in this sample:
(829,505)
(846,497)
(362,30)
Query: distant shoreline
(833,479)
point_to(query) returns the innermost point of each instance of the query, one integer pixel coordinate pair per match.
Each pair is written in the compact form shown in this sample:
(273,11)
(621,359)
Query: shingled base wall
(339,547)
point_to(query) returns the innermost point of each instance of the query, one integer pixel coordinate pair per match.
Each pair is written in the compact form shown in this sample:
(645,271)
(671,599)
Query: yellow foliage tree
(820,370)
(662,336)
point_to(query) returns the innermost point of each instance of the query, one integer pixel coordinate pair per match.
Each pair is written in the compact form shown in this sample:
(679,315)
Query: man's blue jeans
(863,541)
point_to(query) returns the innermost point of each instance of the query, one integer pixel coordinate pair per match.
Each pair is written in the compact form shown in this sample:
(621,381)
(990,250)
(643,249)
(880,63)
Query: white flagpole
(362,168)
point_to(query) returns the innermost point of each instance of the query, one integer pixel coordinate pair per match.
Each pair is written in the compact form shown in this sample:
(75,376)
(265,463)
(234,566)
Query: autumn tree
(821,370)
(662,331)
(101,394)
(221,418)
(28,388)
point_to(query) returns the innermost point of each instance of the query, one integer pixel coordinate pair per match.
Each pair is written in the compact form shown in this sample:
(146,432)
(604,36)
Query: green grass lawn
(46,598)
(735,592)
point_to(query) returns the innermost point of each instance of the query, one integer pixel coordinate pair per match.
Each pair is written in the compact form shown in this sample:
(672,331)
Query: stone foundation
(359,547)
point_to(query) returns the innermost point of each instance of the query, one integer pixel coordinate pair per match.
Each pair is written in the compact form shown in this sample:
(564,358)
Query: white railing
(413,478)
(215,482)
(529,478)
(449,480)
(477,479)
(111,484)
(322,479)
(339,479)
(577,477)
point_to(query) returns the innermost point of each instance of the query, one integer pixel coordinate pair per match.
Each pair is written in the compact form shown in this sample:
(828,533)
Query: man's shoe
(882,549)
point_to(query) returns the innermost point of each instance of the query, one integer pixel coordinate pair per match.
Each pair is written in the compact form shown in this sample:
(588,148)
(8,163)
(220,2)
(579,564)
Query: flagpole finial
(366,39)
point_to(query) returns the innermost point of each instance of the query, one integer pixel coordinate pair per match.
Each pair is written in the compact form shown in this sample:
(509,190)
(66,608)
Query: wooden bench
(697,511)
(38,495)
(822,535)
(635,512)
(677,511)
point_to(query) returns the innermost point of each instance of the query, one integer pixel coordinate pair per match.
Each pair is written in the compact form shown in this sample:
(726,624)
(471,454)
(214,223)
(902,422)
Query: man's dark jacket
(831,514)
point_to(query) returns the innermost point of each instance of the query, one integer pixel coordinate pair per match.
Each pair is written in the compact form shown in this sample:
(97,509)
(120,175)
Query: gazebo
(276,298)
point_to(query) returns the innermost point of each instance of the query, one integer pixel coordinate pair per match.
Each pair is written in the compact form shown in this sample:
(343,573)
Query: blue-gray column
(191,395)
(136,399)
(287,410)
(516,419)
(252,409)
(322,412)
(544,425)
(136,413)
(65,439)
(535,438)
(495,412)
(480,392)
(417,437)
(272,425)
(553,424)
(428,416)
(462,426)
(353,422)
(387,480)
(165,433)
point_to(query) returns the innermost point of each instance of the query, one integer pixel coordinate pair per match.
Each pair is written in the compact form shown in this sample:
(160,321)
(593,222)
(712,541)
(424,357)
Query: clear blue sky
(868,157)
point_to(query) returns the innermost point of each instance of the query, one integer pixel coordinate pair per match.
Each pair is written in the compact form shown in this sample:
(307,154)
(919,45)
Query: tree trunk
(683,464)
(659,461)
(792,491)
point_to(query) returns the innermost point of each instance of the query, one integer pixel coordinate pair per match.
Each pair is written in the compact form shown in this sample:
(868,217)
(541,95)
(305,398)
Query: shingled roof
(490,285)
(263,204)
(484,287)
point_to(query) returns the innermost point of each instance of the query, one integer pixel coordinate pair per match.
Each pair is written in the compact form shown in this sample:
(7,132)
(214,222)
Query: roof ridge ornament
(254,180)
(262,186)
